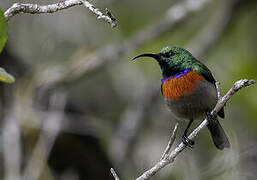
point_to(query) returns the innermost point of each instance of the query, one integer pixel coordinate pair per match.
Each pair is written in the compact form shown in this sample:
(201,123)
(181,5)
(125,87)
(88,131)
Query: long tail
(219,136)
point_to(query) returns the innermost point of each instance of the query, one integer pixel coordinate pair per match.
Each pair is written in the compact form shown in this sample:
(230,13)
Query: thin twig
(18,8)
(108,18)
(171,141)
(171,157)
(218,90)
(115,175)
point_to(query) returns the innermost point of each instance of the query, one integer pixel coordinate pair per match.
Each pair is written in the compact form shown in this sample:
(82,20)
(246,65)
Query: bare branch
(171,141)
(218,90)
(237,86)
(108,18)
(115,175)
(171,157)
(18,8)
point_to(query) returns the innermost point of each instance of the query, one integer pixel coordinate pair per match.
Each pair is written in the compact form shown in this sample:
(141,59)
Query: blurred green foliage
(3,30)
(4,76)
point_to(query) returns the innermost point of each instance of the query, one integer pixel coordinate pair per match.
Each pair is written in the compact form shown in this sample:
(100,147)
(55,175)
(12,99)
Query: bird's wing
(206,73)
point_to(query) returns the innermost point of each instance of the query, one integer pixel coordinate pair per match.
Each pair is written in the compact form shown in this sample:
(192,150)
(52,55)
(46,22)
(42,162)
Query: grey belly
(195,104)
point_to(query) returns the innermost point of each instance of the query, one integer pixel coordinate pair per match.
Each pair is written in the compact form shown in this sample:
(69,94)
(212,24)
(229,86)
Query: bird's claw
(211,117)
(188,142)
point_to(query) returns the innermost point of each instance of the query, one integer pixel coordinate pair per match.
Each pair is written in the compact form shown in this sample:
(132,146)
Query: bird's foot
(211,117)
(188,142)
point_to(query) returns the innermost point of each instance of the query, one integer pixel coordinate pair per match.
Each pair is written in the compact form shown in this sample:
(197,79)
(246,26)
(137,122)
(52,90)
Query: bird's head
(171,59)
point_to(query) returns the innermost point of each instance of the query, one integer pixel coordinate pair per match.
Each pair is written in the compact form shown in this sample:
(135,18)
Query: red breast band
(175,87)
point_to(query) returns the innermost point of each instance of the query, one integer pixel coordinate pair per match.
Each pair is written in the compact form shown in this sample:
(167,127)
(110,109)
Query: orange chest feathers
(175,86)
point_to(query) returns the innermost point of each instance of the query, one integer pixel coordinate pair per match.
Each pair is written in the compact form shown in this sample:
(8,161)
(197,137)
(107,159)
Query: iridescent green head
(172,60)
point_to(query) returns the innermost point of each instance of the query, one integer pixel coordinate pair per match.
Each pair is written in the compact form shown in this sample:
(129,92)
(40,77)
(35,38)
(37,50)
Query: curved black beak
(155,56)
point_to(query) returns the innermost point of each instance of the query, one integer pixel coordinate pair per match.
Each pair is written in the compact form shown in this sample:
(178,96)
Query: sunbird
(188,88)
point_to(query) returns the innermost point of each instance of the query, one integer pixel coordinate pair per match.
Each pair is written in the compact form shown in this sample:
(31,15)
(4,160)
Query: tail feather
(219,136)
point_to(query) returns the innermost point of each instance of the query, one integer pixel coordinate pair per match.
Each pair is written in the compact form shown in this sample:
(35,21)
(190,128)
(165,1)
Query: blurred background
(79,106)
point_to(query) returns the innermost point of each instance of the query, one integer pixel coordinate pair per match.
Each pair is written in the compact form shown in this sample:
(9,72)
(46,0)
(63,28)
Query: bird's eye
(169,54)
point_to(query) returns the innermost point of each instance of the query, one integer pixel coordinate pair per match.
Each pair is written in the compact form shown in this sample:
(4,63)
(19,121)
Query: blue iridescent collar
(176,75)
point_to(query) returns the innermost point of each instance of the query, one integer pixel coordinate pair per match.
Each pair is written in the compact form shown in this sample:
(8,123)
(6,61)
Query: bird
(188,88)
